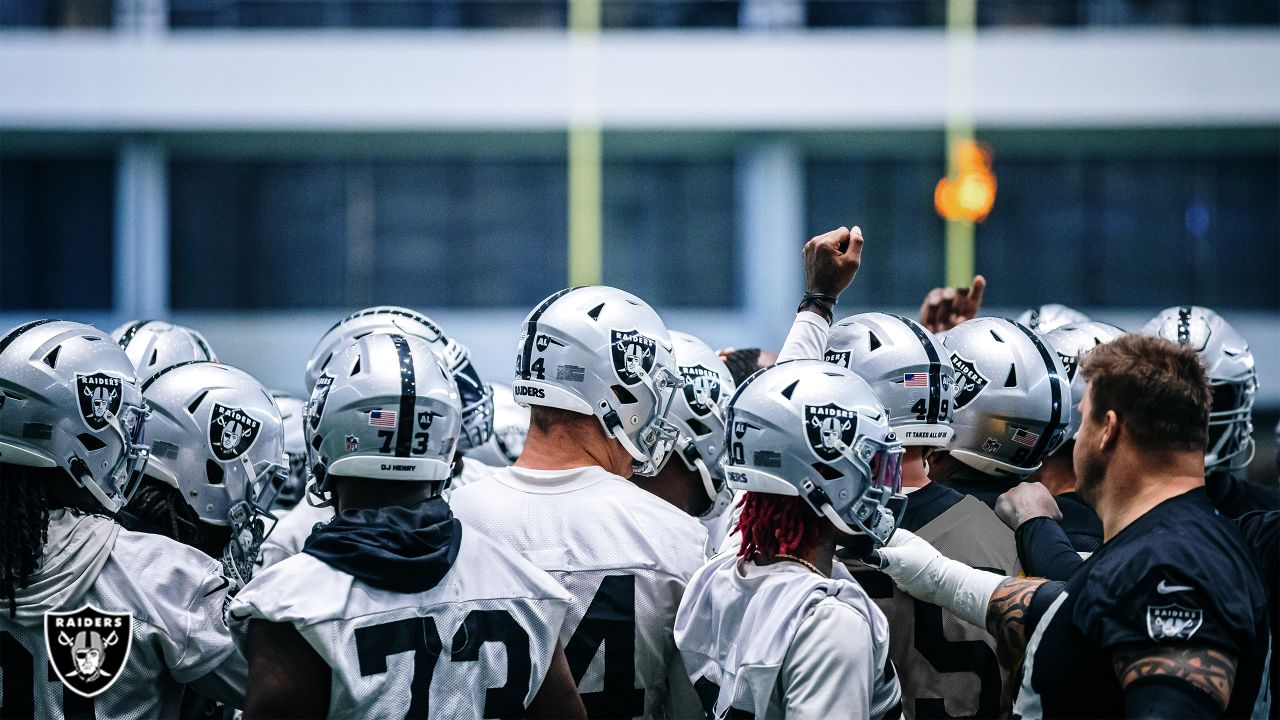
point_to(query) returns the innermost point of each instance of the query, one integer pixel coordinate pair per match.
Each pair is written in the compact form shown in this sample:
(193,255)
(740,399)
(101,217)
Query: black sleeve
(1045,551)
(1157,698)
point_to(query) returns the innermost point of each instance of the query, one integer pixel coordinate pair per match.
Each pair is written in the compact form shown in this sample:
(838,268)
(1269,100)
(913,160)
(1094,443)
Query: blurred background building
(254,168)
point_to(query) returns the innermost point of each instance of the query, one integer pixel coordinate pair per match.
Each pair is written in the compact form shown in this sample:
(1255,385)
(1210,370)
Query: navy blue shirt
(1179,575)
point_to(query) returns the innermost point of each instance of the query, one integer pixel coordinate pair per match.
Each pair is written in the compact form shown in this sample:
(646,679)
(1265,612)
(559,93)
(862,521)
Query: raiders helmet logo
(100,395)
(318,398)
(969,382)
(1173,622)
(839,357)
(88,647)
(633,355)
(702,389)
(231,432)
(1070,362)
(830,428)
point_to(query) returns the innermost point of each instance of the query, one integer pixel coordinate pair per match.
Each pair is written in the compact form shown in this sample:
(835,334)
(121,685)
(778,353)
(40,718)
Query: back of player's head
(907,367)
(1158,391)
(602,352)
(698,415)
(475,395)
(1072,343)
(154,345)
(384,408)
(1013,398)
(811,429)
(1229,365)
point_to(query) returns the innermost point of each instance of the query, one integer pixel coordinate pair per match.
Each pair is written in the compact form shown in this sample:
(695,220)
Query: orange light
(970,194)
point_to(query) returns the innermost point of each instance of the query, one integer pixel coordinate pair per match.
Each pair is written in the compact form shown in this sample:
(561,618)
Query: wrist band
(826,304)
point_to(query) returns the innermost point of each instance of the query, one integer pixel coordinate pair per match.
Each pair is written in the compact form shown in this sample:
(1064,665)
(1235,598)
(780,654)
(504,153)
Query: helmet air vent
(52,358)
(1012,380)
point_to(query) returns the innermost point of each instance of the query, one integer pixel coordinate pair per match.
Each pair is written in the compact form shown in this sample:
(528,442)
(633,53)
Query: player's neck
(678,486)
(369,493)
(915,474)
(1136,481)
(578,442)
(1057,473)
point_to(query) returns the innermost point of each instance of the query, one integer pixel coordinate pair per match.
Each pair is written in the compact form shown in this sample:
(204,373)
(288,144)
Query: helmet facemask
(657,437)
(249,519)
(1231,443)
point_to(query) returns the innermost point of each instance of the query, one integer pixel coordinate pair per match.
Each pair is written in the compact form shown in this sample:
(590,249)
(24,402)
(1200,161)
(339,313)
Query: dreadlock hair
(776,524)
(24,528)
(160,509)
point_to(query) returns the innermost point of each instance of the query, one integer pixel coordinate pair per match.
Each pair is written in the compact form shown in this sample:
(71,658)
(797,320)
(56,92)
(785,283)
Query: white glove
(926,574)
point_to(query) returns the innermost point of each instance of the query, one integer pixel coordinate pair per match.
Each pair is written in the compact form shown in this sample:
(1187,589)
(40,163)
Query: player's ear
(1110,431)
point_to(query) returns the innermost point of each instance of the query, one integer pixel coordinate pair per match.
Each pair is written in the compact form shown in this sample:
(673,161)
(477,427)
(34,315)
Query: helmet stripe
(935,370)
(127,337)
(531,332)
(151,380)
(8,339)
(408,396)
(1055,392)
(1184,325)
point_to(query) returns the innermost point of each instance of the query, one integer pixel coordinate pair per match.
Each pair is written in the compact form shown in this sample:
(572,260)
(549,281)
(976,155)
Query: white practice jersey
(476,645)
(780,641)
(624,555)
(176,595)
(291,533)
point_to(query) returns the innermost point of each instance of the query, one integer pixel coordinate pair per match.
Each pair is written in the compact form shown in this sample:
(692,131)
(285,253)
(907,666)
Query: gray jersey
(476,645)
(624,555)
(176,595)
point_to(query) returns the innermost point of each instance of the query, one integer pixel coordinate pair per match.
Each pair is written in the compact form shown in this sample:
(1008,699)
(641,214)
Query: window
(56,233)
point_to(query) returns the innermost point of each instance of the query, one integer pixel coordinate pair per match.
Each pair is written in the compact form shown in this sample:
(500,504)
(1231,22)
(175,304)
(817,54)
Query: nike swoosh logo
(1165,588)
(225,582)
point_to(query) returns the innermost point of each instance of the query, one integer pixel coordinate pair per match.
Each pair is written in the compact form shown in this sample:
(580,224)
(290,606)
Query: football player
(777,628)
(71,445)
(1226,356)
(295,449)
(945,308)
(217,455)
(1168,618)
(1047,318)
(355,625)
(154,345)
(1012,407)
(595,367)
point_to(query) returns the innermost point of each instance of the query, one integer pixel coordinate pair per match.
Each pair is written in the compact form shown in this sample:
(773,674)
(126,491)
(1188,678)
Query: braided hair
(24,528)
(160,509)
(776,524)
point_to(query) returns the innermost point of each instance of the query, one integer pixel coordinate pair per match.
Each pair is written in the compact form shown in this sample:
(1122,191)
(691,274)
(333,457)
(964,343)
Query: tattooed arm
(1181,680)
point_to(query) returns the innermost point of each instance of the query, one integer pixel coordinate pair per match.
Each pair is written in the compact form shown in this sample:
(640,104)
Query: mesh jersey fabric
(476,645)
(177,595)
(622,553)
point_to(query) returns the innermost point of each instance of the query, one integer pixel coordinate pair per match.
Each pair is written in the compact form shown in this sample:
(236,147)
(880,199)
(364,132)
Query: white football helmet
(295,449)
(216,435)
(907,367)
(69,399)
(1013,399)
(1229,364)
(386,408)
(153,345)
(698,415)
(510,428)
(1072,342)
(816,430)
(1048,318)
(603,352)
(477,396)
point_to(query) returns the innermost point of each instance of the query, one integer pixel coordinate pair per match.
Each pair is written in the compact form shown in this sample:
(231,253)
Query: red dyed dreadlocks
(772,524)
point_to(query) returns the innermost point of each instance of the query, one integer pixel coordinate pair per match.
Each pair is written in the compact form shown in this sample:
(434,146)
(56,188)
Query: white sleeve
(830,670)
(205,655)
(807,339)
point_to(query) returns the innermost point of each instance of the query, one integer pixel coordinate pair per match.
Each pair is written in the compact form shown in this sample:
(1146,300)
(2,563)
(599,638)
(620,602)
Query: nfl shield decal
(830,428)
(633,355)
(969,382)
(1173,622)
(1070,362)
(701,388)
(318,398)
(88,647)
(231,432)
(99,396)
(839,357)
